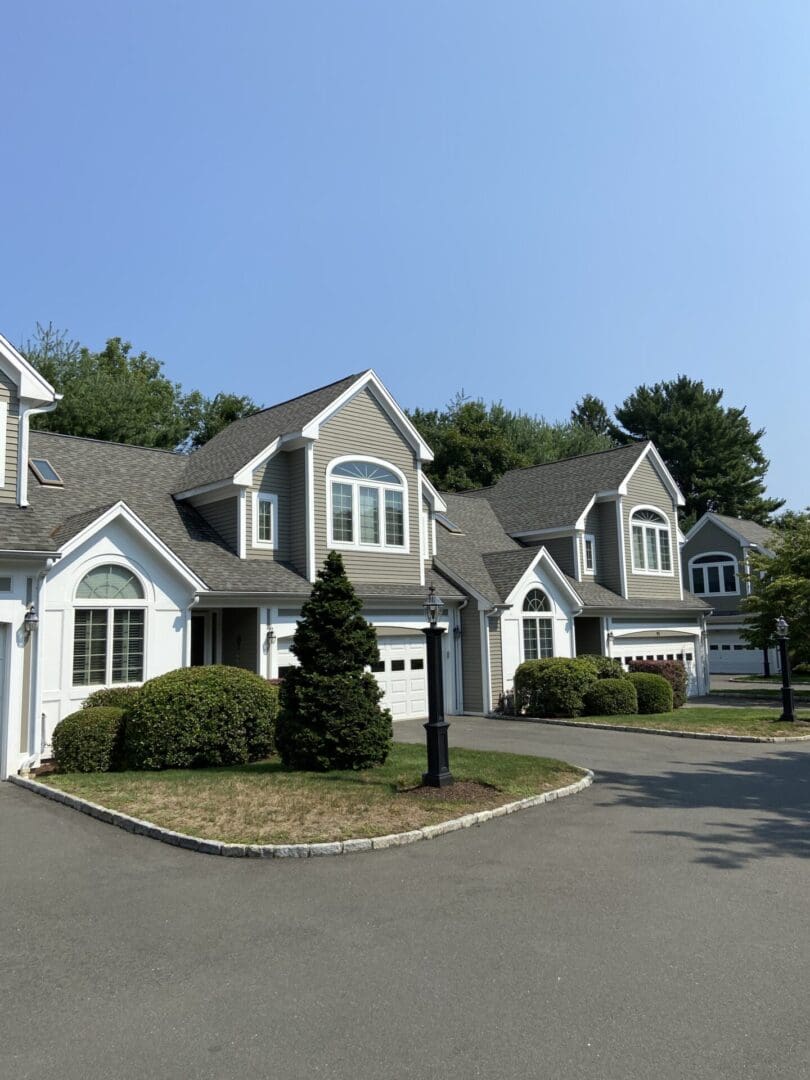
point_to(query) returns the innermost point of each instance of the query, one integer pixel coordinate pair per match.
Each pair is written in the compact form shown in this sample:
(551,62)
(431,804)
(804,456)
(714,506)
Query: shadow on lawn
(768,798)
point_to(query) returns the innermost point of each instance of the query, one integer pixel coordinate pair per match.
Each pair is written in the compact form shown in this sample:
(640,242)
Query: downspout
(22,470)
(37,668)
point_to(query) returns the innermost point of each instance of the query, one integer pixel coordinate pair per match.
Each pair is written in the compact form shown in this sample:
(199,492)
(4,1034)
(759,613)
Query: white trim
(30,383)
(3,437)
(740,539)
(644,571)
(356,484)
(554,571)
(590,571)
(486,681)
(242,524)
(244,476)
(424,522)
(121,510)
(557,531)
(523,616)
(272,543)
(580,522)
(213,489)
(430,492)
(663,472)
(310,509)
(622,547)
(724,557)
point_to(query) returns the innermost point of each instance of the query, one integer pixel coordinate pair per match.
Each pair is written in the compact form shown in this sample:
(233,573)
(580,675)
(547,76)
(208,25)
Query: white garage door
(660,649)
(402,674)
(729,655)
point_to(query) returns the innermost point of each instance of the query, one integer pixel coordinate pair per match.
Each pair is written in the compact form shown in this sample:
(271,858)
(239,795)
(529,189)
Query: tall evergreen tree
(781,586)
(330,714)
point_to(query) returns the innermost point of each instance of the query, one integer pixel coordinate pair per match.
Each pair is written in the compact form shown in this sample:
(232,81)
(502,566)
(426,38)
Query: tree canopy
(781,586)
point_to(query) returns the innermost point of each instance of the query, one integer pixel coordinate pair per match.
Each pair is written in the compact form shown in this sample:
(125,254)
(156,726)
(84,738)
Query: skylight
(45,472)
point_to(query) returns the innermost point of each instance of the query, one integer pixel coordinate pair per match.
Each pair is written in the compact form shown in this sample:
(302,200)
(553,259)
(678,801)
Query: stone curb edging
(660,731)
(301,851)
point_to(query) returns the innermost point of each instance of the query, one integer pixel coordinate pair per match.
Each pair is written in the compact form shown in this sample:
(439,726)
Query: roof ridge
(297,397)
(110,442)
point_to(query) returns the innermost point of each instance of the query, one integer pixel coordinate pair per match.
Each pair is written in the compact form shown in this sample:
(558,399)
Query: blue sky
(528,200)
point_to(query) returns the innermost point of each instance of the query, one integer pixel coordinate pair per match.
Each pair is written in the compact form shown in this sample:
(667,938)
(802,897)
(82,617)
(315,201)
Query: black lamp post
(438,774)
(788,712)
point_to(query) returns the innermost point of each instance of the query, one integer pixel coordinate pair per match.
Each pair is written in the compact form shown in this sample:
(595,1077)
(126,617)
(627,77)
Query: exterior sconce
(271,636)
(31,621)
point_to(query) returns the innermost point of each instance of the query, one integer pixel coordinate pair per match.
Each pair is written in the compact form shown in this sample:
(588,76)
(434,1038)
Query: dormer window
(714,575)
(45,472)
(368,505)
(651,548)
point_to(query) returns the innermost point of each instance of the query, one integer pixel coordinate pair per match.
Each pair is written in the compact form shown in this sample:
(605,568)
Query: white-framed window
(3,434)
(368,505)
(650,541)
(265,520)
(714,574)
(538,626)
(109,627)
(589,553)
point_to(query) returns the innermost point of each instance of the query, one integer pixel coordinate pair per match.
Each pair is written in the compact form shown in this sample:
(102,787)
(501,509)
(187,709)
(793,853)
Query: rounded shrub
(88,740)
(611,697)
(653,692)
(120,697)
(553,687)
(674,671)
(607,667)
(200,716)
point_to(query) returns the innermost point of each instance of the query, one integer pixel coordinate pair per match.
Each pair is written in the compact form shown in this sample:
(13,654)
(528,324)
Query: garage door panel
(660,650)
(401,673)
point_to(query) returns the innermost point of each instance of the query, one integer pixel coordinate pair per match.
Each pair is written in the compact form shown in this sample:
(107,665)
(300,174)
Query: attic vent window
(45,472)
(445,521)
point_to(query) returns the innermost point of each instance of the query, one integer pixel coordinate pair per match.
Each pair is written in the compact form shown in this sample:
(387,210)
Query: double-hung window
(714,574)
(650,538)
(368,506)
(109,628)
(538,635)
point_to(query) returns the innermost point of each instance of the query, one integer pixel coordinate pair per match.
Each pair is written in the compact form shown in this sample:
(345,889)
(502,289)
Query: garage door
(729,655)
(660,649)
(402,674)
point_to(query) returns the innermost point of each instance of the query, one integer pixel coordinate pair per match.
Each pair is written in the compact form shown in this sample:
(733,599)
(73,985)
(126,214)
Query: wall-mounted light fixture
(31,620)
(271,636)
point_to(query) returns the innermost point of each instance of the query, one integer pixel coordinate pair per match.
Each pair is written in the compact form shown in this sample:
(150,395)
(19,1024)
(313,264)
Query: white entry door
(402,674)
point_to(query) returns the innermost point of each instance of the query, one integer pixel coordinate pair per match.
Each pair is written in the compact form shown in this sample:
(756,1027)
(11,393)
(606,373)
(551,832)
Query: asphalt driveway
(655,925)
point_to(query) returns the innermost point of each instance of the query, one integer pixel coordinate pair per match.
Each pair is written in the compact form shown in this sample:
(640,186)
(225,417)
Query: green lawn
(730,721)
(265,804)
(765,693)
(800,680)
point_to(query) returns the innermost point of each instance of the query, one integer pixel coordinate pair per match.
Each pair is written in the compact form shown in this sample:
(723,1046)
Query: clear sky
(528,200)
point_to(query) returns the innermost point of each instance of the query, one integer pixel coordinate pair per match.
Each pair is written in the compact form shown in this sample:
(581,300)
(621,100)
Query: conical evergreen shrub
(330,714)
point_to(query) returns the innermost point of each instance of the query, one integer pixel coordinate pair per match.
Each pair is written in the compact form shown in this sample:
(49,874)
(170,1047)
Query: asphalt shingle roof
(462,554)
(752,531)
(554,495)
(224,455)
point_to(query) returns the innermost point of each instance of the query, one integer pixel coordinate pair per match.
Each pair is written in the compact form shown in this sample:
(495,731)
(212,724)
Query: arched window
(538,635)
(108,629)
(368,505)
(714,574)
(652,550)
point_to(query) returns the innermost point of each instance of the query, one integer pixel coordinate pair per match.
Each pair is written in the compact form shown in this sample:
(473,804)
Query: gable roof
(555,495)
(32,385)
(224,455)
(462,554)
(750,532)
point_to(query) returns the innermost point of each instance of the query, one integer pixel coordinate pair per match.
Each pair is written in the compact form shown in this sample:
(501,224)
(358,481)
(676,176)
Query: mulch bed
(459,791)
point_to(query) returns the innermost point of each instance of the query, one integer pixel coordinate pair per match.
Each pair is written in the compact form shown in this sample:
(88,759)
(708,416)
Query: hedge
(553,687)
(200,716)
(607,667)
(88,740)
(120,697)
(611,697)
(653,691)
(674,671)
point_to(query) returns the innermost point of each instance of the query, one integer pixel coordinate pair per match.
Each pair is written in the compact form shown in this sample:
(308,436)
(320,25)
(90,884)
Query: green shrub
(611,697)
(200,716)
(119,697)
(801,669)
(553,687)
(674,671)
(653,691)
(88,740)
(607,667)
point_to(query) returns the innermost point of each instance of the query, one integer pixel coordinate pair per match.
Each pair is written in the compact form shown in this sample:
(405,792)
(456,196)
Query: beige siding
(712,538)
(646,488)
(223,517)
(608,552)
(495,659)
(471,661)
(362,428)
(297,516)
(240,638)
(8,394)
(561,549)
(274,478)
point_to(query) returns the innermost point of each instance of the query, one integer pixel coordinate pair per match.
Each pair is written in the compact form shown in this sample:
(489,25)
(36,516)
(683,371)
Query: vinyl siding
(297,514)
(240,638)
(593,527)
(223,517)
(272,477)
(608,552)
(712,538)
(495,659)
(561,549)
(471,659)
(8,394)
(646,488)
(362,428)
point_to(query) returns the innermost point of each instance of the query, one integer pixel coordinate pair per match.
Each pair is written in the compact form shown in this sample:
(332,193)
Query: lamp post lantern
(438,770)
(788,704)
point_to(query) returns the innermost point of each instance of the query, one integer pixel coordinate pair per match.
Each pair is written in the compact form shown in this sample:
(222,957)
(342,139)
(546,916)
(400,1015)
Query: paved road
(655,926)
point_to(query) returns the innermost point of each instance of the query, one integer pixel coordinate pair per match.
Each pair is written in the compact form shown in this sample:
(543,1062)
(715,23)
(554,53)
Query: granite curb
(659,731)
(294,851)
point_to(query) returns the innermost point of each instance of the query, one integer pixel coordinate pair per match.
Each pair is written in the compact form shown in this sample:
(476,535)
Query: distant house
(716,563)
(135,561)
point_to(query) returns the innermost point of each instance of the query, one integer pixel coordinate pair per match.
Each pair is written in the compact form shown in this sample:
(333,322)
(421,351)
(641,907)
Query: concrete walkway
(654,926)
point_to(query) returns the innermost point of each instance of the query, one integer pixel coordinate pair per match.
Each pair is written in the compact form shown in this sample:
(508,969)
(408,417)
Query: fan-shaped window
(714,574)
(652,551)
(538,633)
(368,506)
(108,638)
